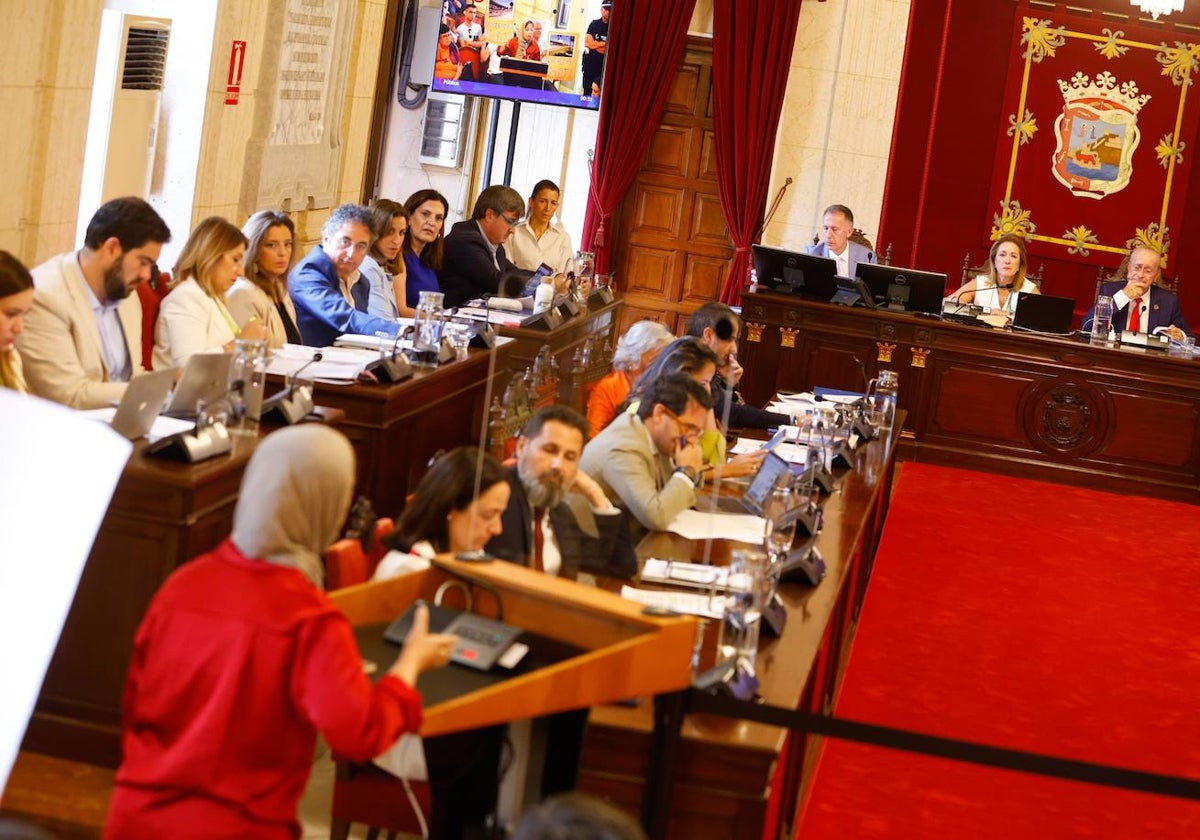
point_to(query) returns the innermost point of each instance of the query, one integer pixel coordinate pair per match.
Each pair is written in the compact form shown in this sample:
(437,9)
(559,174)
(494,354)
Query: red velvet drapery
(750,70)
(645,41)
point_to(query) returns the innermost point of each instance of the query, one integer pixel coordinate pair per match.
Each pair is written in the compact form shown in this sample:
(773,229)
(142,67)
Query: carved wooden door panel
(672,249)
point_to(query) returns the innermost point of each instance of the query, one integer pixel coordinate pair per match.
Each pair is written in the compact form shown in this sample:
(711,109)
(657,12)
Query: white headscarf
(294,497)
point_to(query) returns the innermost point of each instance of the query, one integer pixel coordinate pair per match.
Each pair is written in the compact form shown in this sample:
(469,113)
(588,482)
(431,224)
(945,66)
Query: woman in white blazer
(193,318)
(261,292)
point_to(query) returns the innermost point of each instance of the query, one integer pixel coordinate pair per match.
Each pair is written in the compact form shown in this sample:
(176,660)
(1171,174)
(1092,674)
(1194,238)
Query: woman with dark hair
(423,243)
(193,318)
(692,357)
(16,299)
(1004,276)
(541,239)
(446,63)
(383,266)
(241,660)
(261,292)
(456,507)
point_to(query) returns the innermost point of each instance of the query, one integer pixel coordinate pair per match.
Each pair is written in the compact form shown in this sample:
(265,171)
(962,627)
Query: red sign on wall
(237,61)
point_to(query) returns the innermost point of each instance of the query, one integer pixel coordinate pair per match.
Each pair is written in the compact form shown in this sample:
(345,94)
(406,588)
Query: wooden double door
(672,248)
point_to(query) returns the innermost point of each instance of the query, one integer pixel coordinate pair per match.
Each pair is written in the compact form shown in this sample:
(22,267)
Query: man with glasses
(1138,304)
(473,260)
(324,286)
(649,463)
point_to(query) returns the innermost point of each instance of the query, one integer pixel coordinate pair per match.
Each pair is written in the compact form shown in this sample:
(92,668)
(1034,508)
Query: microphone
(394,367)
(201,441)
(293,403)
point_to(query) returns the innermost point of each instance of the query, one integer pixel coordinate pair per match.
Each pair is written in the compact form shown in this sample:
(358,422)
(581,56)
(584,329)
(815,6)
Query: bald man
(1138,304)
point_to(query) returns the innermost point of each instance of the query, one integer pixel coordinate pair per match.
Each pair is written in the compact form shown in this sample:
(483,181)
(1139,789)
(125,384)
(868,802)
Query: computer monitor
(793,273)
(904,289)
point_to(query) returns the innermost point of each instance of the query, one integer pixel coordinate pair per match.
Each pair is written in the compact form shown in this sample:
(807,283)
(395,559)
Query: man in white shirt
(838,225)
(83,337)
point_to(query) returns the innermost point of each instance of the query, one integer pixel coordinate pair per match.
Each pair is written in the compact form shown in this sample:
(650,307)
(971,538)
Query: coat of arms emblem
(1097,134)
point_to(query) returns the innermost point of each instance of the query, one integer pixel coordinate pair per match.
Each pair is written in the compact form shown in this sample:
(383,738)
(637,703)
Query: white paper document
(60,470)
(684,603)
(704,525)
(163,426)
(337,364)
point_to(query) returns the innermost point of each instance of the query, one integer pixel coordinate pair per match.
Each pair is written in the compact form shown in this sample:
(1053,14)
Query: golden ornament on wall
(919,355)
(754,332)
(884,351)
(787,336)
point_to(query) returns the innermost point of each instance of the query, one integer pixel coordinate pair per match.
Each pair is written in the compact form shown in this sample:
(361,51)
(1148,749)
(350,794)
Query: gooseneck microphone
(293,403)
(291,382)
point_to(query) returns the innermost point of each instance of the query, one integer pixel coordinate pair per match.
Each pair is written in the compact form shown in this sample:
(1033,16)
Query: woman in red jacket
(241,660)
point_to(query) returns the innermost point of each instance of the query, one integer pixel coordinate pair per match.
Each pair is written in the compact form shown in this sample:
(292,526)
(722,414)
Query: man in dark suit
(324,286)
(718,327)
(1138,304)
(540,511)
(473,258)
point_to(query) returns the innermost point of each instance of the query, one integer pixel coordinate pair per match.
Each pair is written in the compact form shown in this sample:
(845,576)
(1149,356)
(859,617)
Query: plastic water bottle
(1102,322)
(543,298)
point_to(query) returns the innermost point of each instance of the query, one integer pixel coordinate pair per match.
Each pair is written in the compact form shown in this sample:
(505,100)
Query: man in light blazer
(649,463)
(839,224)
(83,337)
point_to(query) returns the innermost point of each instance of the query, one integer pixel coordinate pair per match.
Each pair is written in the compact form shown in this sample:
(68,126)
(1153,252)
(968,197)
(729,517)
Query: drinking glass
(779,537)
(749,584)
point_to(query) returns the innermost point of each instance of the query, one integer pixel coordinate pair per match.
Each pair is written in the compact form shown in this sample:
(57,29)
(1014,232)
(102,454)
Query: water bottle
(883,392)
(249,367)
(587,268)
(1102,322)
(543,298)
(428,324)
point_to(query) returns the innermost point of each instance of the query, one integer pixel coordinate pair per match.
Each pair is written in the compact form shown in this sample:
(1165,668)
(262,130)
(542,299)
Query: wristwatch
(693,474)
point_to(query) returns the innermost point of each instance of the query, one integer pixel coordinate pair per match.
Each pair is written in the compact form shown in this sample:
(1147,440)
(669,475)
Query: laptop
(205,377)
(144,398)
(1043,314)
(771,472)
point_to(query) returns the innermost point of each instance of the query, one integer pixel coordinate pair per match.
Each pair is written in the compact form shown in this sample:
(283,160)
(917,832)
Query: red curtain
(645,41)
(751,57)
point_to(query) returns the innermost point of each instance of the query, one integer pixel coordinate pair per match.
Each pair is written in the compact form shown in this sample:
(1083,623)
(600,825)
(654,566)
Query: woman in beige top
(193,318)
(261,292)
(16,299)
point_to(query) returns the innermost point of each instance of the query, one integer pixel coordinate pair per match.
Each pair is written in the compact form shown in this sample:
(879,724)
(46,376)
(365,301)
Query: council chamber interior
(965,477)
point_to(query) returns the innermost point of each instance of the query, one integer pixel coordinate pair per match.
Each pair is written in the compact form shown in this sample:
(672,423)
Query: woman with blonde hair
(384,265)
(261,292)
(1004,276)
(193,318)
(16,299)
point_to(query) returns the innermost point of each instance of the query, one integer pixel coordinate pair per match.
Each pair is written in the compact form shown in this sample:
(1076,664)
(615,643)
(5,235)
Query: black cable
(408,36)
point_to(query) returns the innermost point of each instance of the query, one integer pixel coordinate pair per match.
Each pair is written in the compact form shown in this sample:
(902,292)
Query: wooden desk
(563,343)
(162,514)
(725,767)
(1056,409)
(397,428)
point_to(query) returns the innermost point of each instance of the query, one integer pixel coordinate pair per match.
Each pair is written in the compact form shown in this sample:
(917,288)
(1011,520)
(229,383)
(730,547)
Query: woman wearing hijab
(241,660)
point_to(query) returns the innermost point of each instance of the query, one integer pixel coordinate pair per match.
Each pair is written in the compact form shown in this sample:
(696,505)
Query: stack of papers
(502,317)
(684,603)
(338,365)
(712,525)
(163,426)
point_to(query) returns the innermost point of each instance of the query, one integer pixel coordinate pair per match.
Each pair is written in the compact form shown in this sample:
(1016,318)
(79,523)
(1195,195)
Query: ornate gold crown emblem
(1105,87)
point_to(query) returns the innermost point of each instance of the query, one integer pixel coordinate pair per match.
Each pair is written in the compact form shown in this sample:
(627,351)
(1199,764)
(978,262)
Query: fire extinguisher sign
(237,62)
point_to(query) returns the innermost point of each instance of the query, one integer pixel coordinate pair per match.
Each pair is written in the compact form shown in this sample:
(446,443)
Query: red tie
(538,513)
(1135,317)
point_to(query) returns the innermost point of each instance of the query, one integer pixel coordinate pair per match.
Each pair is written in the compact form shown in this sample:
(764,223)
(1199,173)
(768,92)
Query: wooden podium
(622,653)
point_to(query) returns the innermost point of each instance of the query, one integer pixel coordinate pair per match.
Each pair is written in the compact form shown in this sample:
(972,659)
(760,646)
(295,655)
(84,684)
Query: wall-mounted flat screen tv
(551,53)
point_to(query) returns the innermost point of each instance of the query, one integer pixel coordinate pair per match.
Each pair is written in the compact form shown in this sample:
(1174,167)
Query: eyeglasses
(511,222)
(688,430)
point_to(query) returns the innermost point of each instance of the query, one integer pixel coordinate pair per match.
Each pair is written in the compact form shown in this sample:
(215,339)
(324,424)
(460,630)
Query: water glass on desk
(779,537)
(749,589)
(247,378)
(1102,320)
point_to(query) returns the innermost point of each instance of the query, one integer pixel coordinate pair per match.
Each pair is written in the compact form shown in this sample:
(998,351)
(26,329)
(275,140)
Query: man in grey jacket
(839,224)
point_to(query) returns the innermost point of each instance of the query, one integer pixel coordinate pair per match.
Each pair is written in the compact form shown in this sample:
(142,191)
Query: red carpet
(1028,616)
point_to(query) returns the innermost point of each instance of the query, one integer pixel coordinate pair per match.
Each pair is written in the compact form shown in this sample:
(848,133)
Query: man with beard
(83,337)
(541,528)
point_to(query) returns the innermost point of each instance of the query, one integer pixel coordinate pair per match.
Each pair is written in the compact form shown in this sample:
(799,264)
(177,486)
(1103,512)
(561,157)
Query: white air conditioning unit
(137,94)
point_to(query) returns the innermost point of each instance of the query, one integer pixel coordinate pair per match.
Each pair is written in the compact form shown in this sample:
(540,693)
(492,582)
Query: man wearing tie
(542,522)
(474,258)
(839,224)
(1139,305)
